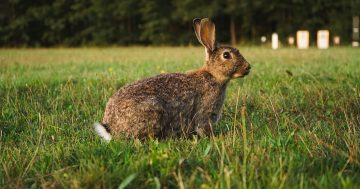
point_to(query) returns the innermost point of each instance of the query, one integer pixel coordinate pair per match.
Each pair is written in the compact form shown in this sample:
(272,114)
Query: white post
(323,39)
(302,39)
(274,41)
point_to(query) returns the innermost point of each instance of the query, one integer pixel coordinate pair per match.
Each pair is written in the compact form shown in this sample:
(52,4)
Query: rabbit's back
(158,106)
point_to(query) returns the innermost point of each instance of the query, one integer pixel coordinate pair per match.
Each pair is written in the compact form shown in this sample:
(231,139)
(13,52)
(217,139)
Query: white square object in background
(274,41)
(302,39)
(323,39)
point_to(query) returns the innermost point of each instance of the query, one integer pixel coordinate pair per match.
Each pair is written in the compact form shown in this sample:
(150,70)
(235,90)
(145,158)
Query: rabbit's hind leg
(135,117)
(146,118)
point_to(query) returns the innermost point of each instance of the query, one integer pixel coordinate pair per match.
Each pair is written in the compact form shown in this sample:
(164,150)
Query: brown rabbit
(171,105)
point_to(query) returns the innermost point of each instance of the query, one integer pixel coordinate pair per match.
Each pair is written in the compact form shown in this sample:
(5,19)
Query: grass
(294,122)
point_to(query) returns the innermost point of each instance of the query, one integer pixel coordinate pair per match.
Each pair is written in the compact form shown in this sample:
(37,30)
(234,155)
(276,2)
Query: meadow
(294,122)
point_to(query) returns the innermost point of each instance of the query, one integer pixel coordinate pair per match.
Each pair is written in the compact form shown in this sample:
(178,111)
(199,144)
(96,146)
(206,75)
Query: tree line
(169,22)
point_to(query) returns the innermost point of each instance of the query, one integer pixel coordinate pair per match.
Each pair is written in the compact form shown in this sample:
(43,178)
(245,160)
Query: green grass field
(294,122)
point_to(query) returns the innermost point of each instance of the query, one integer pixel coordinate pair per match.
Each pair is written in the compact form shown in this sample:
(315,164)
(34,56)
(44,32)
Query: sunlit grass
(292,123)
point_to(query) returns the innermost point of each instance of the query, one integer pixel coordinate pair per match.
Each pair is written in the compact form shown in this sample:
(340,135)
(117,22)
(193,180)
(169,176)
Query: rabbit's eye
(227,55)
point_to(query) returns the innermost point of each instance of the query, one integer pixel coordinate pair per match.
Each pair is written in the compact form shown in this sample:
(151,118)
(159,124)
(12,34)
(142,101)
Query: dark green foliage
(111,22)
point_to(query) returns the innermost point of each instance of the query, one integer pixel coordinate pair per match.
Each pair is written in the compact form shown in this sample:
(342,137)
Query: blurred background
(46,23)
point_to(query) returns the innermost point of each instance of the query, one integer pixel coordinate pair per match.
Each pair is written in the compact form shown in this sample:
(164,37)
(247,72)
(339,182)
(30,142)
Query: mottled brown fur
(172,105)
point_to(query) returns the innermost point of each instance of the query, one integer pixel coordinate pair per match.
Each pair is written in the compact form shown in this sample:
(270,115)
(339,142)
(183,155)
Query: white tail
(102,132)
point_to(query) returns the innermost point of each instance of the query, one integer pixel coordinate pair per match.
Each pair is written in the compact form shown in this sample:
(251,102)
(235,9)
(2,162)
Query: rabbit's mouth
(242,71)
(240,74)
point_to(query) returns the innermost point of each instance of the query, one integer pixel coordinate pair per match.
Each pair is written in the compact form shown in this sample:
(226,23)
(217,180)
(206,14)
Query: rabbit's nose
(248,68)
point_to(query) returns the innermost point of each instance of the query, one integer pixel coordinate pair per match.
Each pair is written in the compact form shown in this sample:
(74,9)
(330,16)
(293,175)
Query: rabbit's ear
(207,34)
(197,28)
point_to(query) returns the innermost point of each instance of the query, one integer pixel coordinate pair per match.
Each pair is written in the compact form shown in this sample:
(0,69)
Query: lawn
(294,122)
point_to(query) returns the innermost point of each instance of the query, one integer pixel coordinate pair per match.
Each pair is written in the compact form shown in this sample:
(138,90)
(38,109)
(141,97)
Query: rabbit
(176,104)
